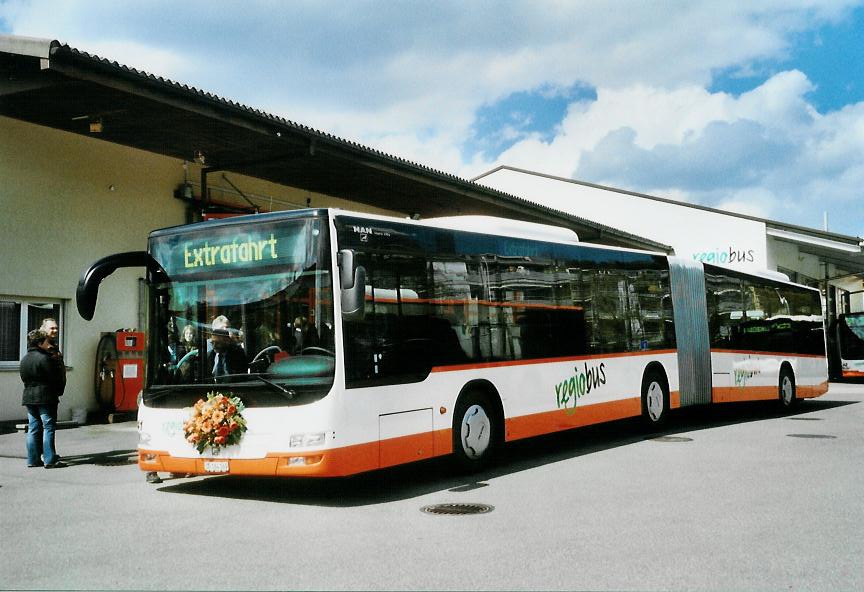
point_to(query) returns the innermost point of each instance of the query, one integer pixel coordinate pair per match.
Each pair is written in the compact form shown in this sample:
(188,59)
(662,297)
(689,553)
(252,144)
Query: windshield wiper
(158,392)
(287,393)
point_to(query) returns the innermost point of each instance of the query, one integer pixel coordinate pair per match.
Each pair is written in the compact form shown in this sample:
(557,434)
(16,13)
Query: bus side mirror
(352,280)
(88,284)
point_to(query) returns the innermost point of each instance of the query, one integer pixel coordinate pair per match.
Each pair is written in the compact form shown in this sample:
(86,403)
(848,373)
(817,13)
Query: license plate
(216,466)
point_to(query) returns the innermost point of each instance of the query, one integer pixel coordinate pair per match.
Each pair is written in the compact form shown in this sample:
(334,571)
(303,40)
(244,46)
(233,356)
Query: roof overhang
(843,252)
(50,84)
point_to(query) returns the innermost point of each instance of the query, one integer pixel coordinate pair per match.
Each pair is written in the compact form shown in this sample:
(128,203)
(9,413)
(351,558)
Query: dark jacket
(44,377)
(235,360)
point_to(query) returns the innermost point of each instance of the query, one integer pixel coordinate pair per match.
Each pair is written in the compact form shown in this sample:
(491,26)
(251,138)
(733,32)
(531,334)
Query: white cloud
(767,153)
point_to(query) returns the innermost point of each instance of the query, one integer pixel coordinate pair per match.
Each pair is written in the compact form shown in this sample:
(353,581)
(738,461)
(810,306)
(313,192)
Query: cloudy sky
(756,107)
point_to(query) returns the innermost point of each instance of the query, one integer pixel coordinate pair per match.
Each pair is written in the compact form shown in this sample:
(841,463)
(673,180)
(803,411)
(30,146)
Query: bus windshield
(247,309)
(851,335)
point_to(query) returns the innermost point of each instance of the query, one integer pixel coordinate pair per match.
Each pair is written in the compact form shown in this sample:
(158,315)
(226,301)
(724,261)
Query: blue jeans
(40,434)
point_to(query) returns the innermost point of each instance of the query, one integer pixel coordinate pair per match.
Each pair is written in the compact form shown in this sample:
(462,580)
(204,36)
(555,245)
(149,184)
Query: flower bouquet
(216,423)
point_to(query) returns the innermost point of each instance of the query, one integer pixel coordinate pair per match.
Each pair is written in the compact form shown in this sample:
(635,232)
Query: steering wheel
(265,351)
(186,359)
(313,348)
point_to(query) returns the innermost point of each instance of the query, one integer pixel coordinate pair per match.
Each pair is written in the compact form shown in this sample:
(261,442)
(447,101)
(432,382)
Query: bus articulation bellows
(358,342)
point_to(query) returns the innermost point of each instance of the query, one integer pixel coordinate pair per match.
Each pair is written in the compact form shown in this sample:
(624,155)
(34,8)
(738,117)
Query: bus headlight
(311,439)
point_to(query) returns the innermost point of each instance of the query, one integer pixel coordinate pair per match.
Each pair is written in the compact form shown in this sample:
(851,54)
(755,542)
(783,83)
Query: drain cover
(457,509)
(815,436)
(805,418)
(671,439)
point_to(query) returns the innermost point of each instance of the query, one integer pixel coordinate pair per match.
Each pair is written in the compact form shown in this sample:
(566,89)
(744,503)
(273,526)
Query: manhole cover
(457,509)
(814,436)
(671,439)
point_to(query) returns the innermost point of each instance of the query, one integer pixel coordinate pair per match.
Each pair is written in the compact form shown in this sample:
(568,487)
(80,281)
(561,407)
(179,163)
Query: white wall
(58,216)
(708,236)
(59,213)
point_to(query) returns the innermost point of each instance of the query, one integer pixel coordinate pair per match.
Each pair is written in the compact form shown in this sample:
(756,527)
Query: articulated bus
(361,342)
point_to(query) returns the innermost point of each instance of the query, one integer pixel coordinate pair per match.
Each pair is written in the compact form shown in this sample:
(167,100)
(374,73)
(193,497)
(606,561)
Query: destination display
(237,248)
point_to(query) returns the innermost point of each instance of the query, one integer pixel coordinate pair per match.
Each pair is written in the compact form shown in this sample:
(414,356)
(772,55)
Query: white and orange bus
(370,341)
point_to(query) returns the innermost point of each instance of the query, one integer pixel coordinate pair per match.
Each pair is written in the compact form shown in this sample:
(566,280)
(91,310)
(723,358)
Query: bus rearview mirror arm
(88,285)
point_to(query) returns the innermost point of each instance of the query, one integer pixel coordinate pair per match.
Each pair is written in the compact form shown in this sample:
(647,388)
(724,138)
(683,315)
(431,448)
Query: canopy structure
(51,84)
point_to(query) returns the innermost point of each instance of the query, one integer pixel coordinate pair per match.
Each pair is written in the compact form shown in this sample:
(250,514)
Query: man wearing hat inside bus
(226,356)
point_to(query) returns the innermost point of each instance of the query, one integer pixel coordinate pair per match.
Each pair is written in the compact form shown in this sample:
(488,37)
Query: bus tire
(786,388)
(477,429)
(655,399)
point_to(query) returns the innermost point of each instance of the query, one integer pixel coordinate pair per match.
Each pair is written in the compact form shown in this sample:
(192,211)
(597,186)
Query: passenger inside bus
(303,335)
(225,356)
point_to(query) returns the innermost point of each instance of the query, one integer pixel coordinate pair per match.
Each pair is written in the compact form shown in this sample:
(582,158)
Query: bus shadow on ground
(111,458)
(422,478)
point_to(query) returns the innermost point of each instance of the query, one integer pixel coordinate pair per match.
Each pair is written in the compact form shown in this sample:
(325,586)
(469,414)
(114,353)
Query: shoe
(57,465)
(153,477)
(34,466)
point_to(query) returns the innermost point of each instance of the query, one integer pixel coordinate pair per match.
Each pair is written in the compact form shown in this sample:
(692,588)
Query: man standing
(44,378)
(52,330)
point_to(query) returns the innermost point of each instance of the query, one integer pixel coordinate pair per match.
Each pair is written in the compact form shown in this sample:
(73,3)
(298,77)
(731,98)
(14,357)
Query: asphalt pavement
(737,497)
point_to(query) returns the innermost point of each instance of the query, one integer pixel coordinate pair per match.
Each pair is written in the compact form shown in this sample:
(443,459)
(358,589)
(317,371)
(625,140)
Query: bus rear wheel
(476,431)
(655,399)
(787,388)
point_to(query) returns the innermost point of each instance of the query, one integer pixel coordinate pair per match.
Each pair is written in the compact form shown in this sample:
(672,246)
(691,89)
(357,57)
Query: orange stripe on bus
(335,462)
(547,422)
(852,374)
(736,394)
(480,365)
(808,391)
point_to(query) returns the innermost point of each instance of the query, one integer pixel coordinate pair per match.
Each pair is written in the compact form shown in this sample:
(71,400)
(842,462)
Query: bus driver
(226,356)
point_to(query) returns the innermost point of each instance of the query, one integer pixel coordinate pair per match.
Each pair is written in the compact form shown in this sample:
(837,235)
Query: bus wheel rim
(786,390)
(654,401)
(476,432)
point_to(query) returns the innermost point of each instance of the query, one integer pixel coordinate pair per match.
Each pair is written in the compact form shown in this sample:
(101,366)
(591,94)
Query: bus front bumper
(273,465)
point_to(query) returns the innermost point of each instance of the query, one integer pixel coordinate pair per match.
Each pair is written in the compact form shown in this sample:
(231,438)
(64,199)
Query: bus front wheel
(655,399)
(787,388)
(476,431)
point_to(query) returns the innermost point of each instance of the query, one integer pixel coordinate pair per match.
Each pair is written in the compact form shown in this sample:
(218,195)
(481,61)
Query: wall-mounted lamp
(96,126)
(200,158)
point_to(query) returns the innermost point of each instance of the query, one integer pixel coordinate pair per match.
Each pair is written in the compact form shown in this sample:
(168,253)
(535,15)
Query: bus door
(398,306)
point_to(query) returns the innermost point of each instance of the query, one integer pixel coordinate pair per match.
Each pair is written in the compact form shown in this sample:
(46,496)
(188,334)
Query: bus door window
(609,294)
(650,309)
(807,321)
(725,310)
